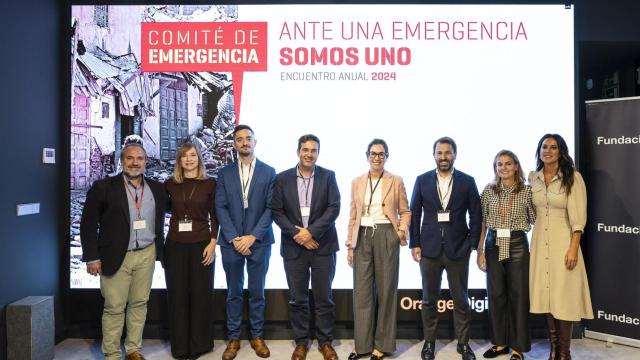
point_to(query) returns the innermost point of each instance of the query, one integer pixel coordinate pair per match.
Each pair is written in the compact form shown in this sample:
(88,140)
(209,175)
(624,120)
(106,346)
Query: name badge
(306,211)
(366,221)
(443,216)
(245,203)
(503,233)
(185,225)
(139,224)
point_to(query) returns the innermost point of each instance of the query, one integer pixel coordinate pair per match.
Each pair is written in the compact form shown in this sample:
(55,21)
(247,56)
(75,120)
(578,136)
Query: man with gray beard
(122,235)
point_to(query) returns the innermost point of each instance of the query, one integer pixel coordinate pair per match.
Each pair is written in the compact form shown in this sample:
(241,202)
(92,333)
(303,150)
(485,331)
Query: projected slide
(490,76)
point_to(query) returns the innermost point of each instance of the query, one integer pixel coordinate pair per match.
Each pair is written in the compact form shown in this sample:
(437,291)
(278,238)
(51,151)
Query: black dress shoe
(515,356)
(494,352)
(356,356)
(466,352)
(428,350)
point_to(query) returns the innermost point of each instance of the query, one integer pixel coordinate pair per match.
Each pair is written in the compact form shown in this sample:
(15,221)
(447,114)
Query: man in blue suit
(306,204)
(442,240)
(243,208)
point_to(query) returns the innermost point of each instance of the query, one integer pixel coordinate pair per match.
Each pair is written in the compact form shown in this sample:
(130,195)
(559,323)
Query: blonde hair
(178,171)
(519,175)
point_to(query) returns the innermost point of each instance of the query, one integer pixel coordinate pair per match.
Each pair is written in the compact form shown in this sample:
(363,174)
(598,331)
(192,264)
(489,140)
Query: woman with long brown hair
(189,255)
(557,276)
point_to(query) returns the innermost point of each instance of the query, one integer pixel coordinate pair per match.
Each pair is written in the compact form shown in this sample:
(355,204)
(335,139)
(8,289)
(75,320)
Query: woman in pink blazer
(378,226)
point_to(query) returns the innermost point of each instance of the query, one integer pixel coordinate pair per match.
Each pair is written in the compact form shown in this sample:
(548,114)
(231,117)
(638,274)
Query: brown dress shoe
(134,356)
(328,353)
(300,352)
(260,347)
(231,351)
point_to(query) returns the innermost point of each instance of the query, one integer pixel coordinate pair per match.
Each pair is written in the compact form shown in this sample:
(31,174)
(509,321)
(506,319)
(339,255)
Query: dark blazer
(457,237)
(105,223)
(325,208)
(234,221)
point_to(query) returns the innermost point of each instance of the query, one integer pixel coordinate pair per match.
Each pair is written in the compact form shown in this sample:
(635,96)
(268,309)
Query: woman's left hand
(571,258)
(402,235)
(209,253)
(481,260)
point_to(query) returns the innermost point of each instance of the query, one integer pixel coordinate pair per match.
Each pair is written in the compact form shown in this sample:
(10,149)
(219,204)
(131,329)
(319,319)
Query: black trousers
(508,290)
(458,277)
(189,298)
(321,269)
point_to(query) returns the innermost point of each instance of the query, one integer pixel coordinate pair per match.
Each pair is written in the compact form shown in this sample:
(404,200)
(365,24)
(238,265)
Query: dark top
(105,226)
(325,207)
(456,236)
(195,199)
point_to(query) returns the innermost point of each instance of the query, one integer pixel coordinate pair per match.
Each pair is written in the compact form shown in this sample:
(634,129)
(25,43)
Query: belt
(138,249)
(514,234)
(376,225)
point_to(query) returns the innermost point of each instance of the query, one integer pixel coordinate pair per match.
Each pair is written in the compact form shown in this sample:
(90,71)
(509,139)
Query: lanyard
(373,189)
(445,194)
(184,198)
(135,199)
(306,182)
(506,209)
(245,185)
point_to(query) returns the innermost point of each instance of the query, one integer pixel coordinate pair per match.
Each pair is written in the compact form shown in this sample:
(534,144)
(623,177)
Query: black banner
(611,150)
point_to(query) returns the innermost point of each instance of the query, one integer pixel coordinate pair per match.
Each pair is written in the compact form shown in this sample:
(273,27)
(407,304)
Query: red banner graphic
(233,47)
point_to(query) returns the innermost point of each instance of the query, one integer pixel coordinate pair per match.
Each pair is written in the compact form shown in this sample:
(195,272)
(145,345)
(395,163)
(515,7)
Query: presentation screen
(492,77)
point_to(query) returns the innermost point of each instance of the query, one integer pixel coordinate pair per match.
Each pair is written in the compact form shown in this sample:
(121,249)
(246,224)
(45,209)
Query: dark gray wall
(609,41)
(607,20)
(33,100)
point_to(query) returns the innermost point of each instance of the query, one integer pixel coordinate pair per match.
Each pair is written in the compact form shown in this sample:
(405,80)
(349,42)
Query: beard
(245,152)
(444,165)
(133,173)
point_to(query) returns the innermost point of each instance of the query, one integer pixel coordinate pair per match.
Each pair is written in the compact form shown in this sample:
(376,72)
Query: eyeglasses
(381,155)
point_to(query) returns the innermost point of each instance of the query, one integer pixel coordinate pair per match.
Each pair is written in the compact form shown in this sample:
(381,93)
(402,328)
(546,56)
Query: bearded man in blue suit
(441,239)
(243,209)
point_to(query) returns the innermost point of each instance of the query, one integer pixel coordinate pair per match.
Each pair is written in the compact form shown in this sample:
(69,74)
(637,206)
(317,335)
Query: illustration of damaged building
(111,99)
